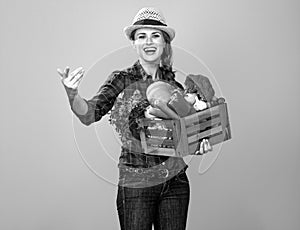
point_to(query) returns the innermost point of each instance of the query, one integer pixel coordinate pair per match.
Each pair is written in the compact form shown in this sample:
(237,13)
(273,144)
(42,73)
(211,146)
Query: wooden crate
(182,137)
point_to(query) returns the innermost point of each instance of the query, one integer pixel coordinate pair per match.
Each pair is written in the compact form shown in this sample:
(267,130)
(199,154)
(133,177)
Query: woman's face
(149,44)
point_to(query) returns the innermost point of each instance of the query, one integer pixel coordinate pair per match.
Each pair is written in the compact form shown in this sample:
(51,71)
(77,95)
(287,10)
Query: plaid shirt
(126,83)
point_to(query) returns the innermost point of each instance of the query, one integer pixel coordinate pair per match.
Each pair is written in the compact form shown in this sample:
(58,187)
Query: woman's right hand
(73,79)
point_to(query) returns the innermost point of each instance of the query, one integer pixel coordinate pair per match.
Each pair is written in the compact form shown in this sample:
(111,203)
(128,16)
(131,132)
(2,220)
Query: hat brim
(129,29)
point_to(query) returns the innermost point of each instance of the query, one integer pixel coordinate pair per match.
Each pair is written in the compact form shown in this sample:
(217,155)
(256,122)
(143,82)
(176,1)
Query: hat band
(149,22)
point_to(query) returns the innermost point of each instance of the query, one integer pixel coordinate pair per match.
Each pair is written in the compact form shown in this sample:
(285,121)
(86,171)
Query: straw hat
(149,17)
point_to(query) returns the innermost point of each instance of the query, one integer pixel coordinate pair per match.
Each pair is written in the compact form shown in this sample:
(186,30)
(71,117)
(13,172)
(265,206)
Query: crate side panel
(203,126)
(202,115)
(204,134)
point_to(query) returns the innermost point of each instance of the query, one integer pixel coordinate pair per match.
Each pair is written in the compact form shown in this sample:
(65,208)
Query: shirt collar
(139,72)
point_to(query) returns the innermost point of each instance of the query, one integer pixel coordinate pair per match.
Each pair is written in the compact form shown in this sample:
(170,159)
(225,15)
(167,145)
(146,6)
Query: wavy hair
(167,55)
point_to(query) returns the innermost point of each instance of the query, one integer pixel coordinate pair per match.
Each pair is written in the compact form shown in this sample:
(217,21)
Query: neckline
(145,76)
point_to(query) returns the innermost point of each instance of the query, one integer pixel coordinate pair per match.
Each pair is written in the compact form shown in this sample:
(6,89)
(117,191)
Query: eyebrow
(143,33)
(140,34)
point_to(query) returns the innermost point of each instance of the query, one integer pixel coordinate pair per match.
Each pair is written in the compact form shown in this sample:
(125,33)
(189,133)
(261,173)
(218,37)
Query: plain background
(251,46)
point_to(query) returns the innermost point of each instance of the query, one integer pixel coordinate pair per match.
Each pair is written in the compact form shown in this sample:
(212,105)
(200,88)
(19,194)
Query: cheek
(137,47)
(137,43)
(161,46)
(161,50)
(160,42)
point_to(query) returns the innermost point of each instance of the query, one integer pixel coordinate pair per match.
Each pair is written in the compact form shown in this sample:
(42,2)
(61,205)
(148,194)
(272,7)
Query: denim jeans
(164,205)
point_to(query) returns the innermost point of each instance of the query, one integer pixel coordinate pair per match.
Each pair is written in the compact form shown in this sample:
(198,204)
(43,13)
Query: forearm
(79,105)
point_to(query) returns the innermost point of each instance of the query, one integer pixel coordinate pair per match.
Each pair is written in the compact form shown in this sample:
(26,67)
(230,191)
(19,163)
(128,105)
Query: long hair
(167,55)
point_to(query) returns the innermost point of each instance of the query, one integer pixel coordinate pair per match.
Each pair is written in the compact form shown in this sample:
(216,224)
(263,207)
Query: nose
(149,40)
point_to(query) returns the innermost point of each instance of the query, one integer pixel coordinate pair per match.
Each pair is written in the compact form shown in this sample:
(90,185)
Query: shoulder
(122,78)
(134,71)
(129,72)
(117,75)
(114,77)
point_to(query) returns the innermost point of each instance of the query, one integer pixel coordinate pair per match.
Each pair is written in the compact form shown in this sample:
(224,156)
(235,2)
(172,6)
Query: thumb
(60,72)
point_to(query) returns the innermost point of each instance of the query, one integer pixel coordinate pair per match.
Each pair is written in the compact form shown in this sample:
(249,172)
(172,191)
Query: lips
(150,50)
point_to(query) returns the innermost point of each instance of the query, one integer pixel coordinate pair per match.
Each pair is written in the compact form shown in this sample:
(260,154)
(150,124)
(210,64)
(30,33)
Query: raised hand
(73,79)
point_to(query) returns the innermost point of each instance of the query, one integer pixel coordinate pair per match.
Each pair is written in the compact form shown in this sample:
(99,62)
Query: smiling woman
(152,189)
(149,44)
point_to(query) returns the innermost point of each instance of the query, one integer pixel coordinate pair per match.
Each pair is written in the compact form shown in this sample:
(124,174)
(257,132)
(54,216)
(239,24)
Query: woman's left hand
(204,147)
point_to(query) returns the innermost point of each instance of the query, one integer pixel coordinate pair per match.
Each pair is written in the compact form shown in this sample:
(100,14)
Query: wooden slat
(176,133)
(182,147)
(159,133)
(217,139)
(152,122)
(203,125)
(196,117)
(227,133)
(206,133)
(158,141)
(225,120)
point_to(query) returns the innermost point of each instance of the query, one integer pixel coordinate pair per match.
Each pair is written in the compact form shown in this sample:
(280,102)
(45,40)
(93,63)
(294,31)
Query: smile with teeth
(150,50)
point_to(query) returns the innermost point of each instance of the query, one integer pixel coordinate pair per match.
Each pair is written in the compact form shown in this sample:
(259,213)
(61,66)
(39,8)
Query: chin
(152,60)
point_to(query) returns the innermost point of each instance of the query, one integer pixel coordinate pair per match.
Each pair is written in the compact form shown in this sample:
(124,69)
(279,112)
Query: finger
(72,79)
(60,72)
(209,146)
(77,78)
(201,148)
(75,72)
(75,86)
(76,81)
(205,146)
(67,70)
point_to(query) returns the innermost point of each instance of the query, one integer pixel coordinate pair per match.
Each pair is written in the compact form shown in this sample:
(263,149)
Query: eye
(141,36)
(156,35)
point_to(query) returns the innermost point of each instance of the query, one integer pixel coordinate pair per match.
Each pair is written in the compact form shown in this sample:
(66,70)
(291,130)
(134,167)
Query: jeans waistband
(158,171)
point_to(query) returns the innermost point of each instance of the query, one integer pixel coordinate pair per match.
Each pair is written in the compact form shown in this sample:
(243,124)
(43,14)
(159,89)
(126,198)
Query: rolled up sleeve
(100,104)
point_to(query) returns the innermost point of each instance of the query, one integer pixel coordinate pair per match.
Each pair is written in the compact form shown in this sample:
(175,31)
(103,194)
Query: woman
(152,190)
